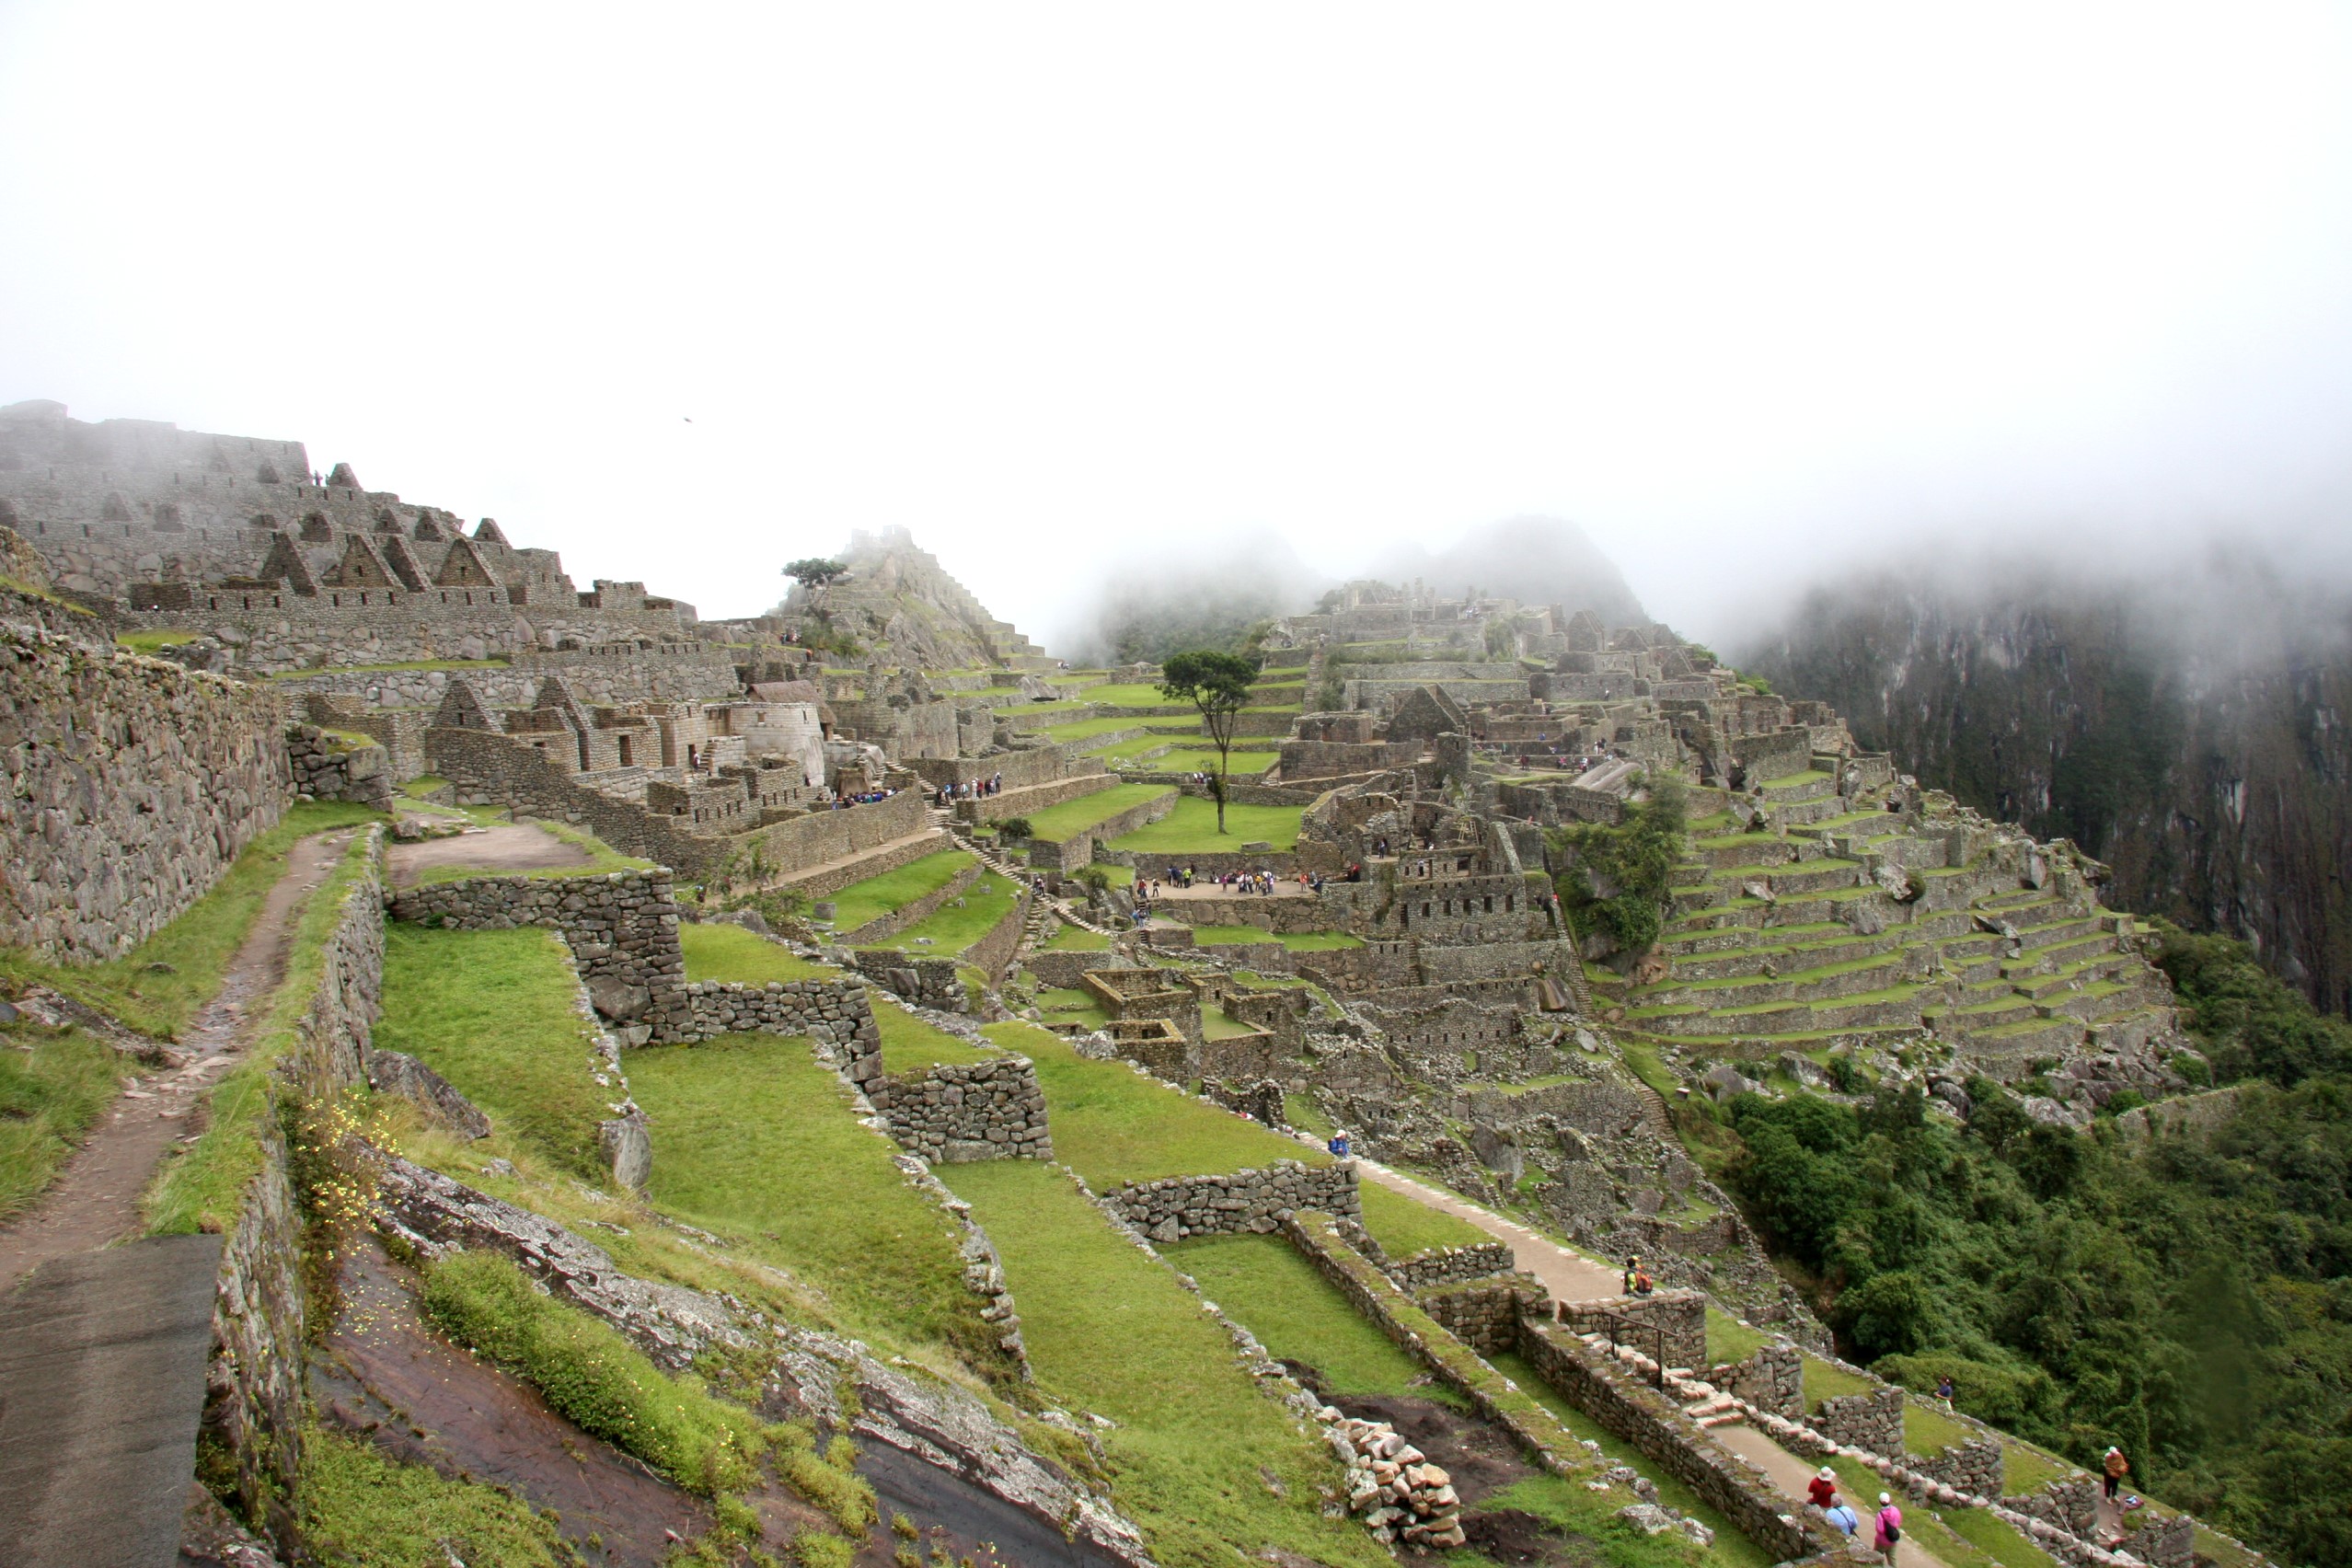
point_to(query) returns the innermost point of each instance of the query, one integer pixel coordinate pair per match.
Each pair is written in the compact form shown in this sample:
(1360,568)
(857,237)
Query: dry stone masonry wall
(132,785)
(1246,1201)
(325,770)
(957,1113)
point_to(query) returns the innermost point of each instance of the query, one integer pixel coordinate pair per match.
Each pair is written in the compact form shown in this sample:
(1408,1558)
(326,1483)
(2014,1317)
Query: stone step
(1818,984)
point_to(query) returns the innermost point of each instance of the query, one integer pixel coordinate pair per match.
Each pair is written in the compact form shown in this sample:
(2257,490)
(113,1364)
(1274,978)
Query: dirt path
(1569,1276)
(516,847)
(95,1199)
(1791,1473)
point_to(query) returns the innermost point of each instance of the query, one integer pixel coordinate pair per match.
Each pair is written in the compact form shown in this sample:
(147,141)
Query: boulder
(629,1148)
(395,1072)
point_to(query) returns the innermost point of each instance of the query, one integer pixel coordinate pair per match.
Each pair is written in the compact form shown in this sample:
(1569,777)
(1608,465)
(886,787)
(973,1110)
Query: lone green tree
(1218,685)
(816,572)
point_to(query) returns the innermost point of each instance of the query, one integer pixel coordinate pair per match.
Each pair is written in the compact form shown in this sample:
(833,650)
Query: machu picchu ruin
(839,1084)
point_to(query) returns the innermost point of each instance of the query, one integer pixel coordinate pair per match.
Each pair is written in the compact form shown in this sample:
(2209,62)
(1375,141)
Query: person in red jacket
(1822,1490)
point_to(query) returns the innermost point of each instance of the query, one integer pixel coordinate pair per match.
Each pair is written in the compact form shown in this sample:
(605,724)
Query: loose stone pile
(1391,1486)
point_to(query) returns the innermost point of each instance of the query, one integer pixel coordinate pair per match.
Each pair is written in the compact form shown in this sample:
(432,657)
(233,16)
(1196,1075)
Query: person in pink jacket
(1890,1527)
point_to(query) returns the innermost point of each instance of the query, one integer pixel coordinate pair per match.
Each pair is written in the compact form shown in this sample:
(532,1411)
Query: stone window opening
(628,753)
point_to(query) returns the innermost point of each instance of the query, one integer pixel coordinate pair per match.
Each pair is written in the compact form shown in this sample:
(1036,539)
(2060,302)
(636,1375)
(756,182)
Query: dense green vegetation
(1618,884)
(2186,1296)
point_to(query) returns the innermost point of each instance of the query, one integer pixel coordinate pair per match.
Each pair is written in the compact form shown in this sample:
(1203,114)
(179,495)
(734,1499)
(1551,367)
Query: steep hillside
(2189,731)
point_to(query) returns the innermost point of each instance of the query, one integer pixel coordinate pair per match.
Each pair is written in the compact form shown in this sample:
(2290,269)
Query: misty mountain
(2187,726)
(1537,560)
(1190,593)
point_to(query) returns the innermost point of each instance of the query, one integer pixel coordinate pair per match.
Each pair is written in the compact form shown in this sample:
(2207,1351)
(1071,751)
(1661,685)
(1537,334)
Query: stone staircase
(1047,913)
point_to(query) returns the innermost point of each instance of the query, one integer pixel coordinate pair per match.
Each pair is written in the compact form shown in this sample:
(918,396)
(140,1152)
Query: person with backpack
(1889,1528)
(2113,1468)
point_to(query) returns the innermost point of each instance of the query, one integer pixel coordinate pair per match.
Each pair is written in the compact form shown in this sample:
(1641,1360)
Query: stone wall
(992,954)
(1078,848)
(325,770)
(1872,1421)
(1974,1467)
(1485,1316)
(923,979)
(622,929)
(1771,1379)
(133,785)
(1674,1318)
(1244,1202)
(832,1012)
(955,1113)
(254,1401)
(1451,1265)
(1653,1423)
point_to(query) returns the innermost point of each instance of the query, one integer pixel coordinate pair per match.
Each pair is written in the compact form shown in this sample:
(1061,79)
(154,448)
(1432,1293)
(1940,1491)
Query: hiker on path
(1841,1514)
(1890,1527)
(1632,1272)
(1822,1490)
(1943,1390)
(2113,1470)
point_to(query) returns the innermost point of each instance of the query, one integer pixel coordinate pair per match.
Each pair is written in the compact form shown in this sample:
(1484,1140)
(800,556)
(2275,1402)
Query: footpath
(104,1333)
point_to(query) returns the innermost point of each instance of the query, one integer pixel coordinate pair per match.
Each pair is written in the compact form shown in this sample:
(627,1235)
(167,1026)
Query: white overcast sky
(1749,291)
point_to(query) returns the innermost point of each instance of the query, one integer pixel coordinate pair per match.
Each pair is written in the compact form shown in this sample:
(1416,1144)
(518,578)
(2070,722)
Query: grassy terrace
(1264,1284)
(1087,728)
(193,950)
(602,857)
(1191,828)
(1241,765)
(149,642)
(1070,939)
(828,1205)
(863,902)
(1297,942)
(53,1084)
(1134,694)
(730,953)
(1113,1126)
(491,1011)
(947,929)
(1197,1452)
(1056,823)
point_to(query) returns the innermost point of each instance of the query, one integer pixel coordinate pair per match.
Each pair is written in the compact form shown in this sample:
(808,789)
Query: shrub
(1010,828)
(1619,879)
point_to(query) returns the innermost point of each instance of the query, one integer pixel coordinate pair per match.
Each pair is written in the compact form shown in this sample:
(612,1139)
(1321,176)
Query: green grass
(1011,709)
(1196,1441)
(909,1044)
(491,1011)
(1134,695)
(1823,1381)
(722,953)
(1306,1116)
(1318,941)
(592,1375)
(861,902)
(1243,764)
(948,930)
(407,664)
(201,1186)
(1225,935)
(1995,1538)
(423,784)
(2026,1468)
(1265,1285)
(1729,1340)
(196,948)
(603,859)
(1056,824)
(1191,828)
(363,1510)
(1927,1431)
(1216,1024)
(1069,1004)
(1072,938)
(1404,1226)
(827,1203)
(148,641)
(1113,1126)
(1087,728)
(53,1084)
(1731,1549)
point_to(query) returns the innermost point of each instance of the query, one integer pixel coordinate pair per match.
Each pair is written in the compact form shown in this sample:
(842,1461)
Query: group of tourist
(1887,1527)
(863,798)
(970,789)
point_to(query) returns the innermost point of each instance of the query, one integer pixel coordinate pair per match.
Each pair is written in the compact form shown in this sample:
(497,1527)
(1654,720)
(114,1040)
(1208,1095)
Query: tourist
(1337,1145)
(1943,1390)
(1841,1514)
(1632,1267)
(2113,1468)
(1822,1490)
(1890,1527)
